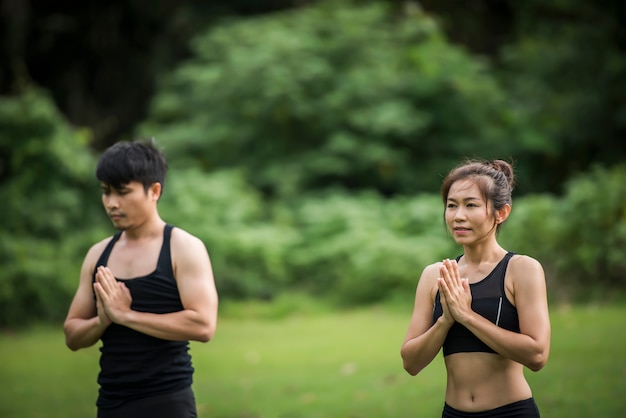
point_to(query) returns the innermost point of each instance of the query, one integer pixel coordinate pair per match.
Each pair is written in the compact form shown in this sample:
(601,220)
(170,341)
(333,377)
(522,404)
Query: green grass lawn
(341,364)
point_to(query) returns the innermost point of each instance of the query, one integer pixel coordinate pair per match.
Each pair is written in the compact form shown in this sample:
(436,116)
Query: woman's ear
(503,213)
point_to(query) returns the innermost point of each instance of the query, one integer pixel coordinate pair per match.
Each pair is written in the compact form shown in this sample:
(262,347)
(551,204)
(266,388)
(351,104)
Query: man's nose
(111,201)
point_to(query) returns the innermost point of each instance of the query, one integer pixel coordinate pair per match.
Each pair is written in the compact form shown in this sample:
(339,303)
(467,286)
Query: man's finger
(101,295)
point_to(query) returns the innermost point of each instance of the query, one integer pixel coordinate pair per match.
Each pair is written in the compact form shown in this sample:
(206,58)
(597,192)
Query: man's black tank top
(134,365)
(490,301)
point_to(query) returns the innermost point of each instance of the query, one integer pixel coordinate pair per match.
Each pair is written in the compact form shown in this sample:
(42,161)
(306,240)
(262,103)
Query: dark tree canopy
(563,61)
(99,59)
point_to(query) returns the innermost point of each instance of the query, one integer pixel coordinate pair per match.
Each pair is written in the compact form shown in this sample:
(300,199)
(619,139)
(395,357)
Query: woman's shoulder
(432,269)
(525,267)
(430,274)
(521,261)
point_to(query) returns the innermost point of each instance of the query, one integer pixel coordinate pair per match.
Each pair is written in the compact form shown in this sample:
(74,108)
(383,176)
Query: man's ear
(155,190)
(503,214)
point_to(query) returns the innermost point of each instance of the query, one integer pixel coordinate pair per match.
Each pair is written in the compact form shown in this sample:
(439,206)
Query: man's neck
(148,230)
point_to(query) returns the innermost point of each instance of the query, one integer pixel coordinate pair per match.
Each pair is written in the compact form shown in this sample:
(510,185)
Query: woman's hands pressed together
(456,297)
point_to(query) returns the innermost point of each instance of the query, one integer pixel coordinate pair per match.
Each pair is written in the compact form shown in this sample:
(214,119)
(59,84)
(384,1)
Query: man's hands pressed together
(113,298)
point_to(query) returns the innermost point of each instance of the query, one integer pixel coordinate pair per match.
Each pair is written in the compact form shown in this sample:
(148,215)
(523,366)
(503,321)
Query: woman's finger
(454,266)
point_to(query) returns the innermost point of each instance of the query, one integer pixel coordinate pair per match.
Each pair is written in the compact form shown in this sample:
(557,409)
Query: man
(145,292)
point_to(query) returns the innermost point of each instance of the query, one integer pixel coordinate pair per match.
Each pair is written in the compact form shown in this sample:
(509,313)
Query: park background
(307,141)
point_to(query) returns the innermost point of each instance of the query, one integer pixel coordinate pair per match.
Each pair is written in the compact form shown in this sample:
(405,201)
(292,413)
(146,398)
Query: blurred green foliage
(566,77)
(356,248)
(353,248)
(49,211)
(306,149)
(334,95)
(247,246)
(579,238)
(594,227)
(350,248)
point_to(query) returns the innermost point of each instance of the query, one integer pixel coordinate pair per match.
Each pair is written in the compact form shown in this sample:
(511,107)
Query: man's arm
(196,286)
(86,319)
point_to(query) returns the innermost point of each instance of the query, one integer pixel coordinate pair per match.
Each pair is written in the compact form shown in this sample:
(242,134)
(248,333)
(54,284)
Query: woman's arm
(531,346)
(424,339)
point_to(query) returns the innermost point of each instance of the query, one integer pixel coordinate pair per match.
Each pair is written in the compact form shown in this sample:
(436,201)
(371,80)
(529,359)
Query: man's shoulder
(182,237)
(186,247)
(95,251)
(99,246)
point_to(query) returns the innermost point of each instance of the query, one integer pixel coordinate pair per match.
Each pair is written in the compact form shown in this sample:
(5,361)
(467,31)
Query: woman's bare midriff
(483,381)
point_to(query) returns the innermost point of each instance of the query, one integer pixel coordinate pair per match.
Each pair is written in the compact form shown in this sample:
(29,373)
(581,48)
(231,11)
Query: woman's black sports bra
(490,301)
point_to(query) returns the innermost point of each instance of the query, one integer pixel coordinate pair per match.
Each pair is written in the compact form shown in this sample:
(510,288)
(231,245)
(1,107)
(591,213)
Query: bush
(333,95)
(248,246)
(47,187)
(580,237)
(593,238)
(533,228)
(364,248)
(353,248)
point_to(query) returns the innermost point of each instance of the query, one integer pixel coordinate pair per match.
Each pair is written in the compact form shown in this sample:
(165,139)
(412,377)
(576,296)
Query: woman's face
(468,216)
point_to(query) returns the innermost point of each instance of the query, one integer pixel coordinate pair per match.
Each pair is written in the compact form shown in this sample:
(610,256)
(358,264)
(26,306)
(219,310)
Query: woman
(488,308)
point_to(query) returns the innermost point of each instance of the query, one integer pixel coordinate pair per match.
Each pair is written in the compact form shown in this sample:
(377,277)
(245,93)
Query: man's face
(129,205)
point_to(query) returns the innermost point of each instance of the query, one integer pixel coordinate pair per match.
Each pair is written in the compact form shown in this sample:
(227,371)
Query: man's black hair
(127,161)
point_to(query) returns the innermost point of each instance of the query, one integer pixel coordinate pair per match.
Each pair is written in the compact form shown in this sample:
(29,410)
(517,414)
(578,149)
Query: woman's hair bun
(506,169)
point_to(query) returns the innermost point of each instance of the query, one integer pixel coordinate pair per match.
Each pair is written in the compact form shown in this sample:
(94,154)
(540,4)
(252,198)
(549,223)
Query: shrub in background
(364,248)
(333,95)
(247,244)
(49,212)
(593,232)
(353,248)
